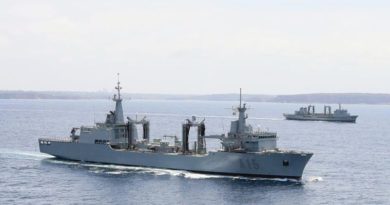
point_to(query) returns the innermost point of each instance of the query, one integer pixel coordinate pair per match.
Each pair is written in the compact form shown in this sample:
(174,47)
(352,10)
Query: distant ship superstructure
(309,114)
(244,152)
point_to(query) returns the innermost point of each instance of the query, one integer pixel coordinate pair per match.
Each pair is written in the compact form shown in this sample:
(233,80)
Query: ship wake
(17,154)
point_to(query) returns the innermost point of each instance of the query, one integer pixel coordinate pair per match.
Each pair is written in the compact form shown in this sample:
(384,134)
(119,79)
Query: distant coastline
(334,98)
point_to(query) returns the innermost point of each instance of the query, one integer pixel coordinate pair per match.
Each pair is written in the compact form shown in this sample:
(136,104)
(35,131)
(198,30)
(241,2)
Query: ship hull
(350,119)
(274,164)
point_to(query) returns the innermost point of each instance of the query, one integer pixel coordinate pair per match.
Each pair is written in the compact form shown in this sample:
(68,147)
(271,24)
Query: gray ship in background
(309,114)
(244,152)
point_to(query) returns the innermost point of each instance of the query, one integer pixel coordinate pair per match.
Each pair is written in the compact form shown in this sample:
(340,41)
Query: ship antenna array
(118,87)
(240,97)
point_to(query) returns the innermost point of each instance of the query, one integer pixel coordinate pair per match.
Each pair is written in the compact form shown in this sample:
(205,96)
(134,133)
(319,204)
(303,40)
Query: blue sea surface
(351,162)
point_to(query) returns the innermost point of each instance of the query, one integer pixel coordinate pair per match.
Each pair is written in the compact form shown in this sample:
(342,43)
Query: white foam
(58,161)
(116,172)
(190,175)
(24,154)
(314,179)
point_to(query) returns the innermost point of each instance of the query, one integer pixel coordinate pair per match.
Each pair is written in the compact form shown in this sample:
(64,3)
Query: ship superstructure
(309,114)
(244,152)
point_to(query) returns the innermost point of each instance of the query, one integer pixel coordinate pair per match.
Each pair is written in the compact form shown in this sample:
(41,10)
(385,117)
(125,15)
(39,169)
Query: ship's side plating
(263,164)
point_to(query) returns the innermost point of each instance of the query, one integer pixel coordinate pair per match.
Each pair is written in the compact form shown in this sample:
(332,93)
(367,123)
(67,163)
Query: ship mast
(118,87)
(241,116)
(118,105)
(240,97)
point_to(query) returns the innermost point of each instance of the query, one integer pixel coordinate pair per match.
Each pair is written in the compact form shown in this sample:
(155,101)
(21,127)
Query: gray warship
(244,152)
(309,114)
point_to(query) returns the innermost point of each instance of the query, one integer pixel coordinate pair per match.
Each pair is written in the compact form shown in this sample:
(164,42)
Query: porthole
(286,163)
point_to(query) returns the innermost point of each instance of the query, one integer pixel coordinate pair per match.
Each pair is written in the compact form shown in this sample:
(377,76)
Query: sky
(196,46)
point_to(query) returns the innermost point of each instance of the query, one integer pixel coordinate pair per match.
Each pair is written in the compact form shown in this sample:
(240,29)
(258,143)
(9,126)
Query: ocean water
(351,162)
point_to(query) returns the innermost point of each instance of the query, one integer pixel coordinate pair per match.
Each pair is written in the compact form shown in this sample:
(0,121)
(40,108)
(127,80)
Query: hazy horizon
(196,47)
(227,93)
